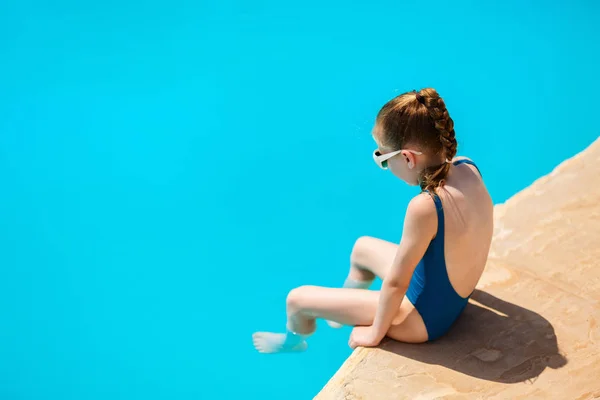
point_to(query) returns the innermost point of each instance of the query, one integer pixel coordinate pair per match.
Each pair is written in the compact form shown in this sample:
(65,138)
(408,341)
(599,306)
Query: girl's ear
(409,158)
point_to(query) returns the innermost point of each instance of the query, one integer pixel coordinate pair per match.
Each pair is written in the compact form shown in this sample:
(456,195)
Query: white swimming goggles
(382,159)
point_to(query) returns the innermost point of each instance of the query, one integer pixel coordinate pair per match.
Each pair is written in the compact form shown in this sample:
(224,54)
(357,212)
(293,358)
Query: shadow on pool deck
(495,340)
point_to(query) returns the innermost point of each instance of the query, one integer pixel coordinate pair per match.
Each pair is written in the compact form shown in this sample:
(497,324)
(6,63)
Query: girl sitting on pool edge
(427,278)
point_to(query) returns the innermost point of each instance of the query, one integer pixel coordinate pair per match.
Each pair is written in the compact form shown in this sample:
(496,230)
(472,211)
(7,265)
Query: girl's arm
(420,226)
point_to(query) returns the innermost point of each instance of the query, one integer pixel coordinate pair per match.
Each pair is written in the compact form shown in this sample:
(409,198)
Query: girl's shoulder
(424,205)
(421,219)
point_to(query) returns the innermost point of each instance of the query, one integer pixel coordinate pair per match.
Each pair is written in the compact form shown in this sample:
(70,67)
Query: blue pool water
(171,169)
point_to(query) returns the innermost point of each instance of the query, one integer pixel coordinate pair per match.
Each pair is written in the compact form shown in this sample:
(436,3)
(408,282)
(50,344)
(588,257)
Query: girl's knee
(296,298)
(361,250)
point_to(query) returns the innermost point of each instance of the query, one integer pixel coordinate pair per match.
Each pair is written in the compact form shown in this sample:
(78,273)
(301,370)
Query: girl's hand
(364,336)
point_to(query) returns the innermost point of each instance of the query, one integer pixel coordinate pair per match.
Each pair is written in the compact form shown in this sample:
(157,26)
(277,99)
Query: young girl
(427,278)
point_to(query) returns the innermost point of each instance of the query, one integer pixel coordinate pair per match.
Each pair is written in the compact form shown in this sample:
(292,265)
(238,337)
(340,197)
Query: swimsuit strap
(465,161)
(440,212)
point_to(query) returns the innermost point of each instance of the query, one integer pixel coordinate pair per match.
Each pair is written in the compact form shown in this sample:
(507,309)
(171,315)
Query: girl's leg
(370,257)
(347,306)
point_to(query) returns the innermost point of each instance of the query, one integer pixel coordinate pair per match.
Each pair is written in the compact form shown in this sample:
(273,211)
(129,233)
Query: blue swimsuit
(430,290)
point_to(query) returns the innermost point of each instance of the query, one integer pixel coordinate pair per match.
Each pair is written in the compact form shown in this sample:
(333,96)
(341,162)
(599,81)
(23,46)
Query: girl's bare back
(468,226)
